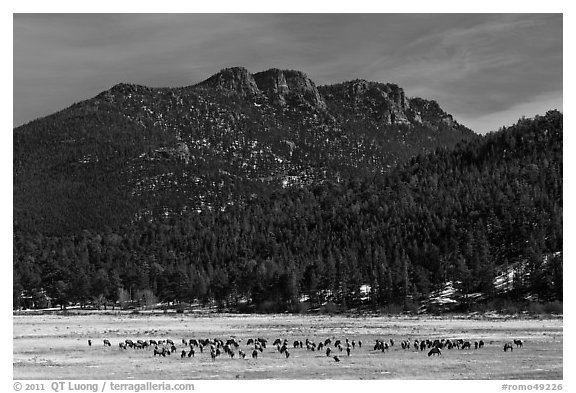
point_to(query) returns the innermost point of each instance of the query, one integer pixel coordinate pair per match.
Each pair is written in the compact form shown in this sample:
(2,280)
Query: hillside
(135,153)
(463,214)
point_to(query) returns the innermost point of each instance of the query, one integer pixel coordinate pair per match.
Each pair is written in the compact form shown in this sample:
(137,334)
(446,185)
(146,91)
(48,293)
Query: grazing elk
(122,345)
(241,354)
(287,354)
(296,344)
(518,343)
(466,345)
(328,350)
(481,344)
(160,352)
(191,353)
(263,342)
(336,358)
(183,354)
(254,354)
(327,342)
(107,343)
(435,351)
(508,346)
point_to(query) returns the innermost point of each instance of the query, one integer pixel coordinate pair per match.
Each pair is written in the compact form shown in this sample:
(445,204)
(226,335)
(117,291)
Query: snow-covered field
(55,346)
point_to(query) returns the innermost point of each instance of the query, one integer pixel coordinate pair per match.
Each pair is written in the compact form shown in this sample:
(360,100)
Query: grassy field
(55,347)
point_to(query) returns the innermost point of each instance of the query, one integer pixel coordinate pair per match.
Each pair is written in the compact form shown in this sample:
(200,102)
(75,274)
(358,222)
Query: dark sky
(487,70)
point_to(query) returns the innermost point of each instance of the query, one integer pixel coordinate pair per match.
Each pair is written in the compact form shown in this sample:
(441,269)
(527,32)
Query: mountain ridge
(149,152)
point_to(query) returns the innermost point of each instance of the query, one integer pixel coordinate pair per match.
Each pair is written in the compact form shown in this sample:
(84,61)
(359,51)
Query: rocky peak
(273,84)
(235,79)
(122,90)
(386,102)
(280,85)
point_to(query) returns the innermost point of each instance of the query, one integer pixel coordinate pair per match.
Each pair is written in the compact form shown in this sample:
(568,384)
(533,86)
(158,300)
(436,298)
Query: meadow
(55,346)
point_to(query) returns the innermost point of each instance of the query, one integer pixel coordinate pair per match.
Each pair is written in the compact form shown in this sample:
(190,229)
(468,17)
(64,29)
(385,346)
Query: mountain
(485,216)
(136,153)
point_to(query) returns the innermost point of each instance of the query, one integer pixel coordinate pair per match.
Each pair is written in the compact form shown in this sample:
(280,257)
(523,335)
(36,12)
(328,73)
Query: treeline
(462,215)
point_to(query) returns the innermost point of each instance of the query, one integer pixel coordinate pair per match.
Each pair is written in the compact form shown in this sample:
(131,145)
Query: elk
(435,351)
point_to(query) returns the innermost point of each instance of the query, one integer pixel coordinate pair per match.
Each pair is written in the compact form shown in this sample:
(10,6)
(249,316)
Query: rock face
(235,79)
(386,102)
(300,85)
(280,86)
(273,84)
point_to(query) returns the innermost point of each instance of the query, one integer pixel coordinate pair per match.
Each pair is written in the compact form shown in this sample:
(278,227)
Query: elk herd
(331,347)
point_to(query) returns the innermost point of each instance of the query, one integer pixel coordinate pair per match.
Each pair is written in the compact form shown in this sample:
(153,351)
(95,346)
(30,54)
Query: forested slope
(457,214)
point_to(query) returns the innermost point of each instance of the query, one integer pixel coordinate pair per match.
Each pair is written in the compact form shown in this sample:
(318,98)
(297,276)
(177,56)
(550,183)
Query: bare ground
(55,347)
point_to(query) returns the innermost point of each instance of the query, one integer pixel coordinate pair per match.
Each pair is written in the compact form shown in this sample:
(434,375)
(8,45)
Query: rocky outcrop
(386,103)
(235,79)
(283,86)
(273,84)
